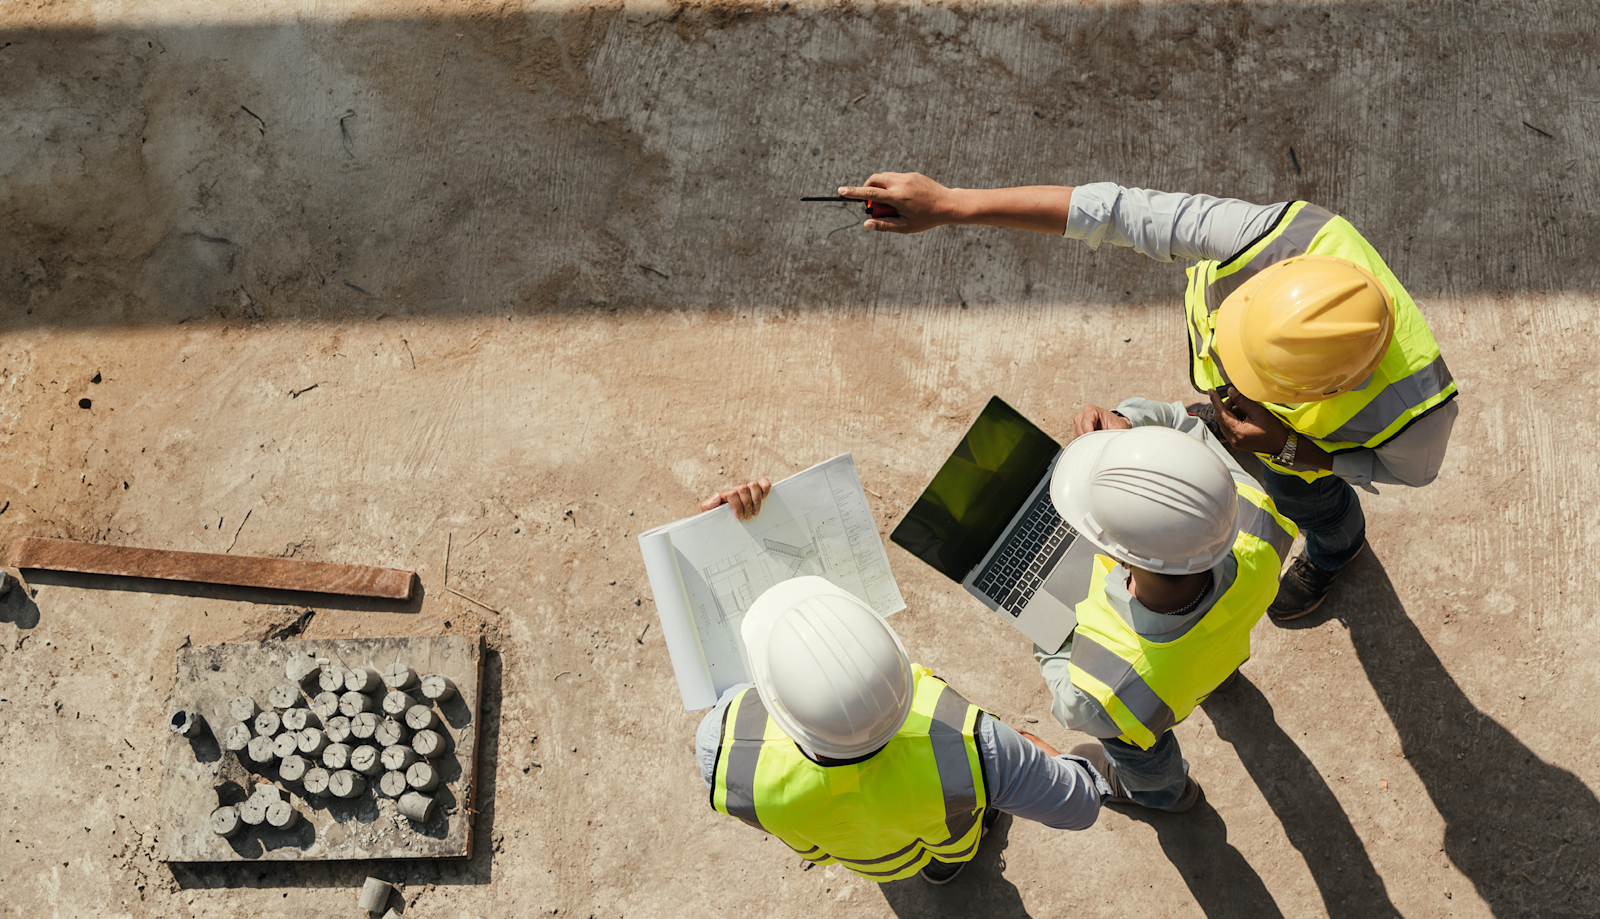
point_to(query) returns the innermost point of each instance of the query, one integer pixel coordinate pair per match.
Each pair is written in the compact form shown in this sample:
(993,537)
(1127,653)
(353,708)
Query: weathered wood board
(213,568)
(198,774)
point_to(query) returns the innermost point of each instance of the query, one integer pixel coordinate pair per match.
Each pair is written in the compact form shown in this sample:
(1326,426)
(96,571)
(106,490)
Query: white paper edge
(677,622)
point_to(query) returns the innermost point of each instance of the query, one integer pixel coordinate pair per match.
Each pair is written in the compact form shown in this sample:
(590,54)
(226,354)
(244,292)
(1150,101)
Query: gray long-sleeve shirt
(1168,225)
(1063,792)
(1072,706)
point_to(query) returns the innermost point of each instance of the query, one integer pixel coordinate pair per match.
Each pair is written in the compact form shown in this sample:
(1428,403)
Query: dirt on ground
(358,282)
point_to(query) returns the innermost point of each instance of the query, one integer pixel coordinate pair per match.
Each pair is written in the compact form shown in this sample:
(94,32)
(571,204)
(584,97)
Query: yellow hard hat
(1305,329)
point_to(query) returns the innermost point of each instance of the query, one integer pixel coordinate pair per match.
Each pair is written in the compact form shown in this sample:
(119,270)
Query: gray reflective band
(749,731)
(1125,682)
(943,856)
(950,754)
(1392,403)
(1293,240)
(1259,522)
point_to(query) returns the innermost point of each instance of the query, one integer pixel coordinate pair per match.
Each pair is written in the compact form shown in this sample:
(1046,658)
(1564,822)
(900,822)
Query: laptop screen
(981,487)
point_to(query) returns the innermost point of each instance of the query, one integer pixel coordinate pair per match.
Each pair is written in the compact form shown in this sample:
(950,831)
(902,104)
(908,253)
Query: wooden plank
(212,568)
(197,775)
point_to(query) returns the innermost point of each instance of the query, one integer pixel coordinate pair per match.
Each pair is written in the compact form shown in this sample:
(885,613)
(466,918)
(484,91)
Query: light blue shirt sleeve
(1166,225)
(1062,792)
(708,736)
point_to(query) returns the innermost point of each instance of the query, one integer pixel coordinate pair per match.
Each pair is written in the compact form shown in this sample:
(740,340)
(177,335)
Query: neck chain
(1189,607)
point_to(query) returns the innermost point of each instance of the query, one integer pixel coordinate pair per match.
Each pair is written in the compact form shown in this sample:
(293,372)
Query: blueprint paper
(705,571)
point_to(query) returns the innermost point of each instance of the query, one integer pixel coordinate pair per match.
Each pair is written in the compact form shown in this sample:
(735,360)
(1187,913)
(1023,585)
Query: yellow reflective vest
(1411,380)
(885,816)
(1149,686)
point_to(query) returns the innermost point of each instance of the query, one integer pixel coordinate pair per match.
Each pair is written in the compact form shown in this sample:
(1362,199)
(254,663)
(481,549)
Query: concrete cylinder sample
(281,815)
(399,676)
(243,708)
(316,782)
(365,760)
(375,895)
(422,718)
(336,756)
(261,752)
(298,719)
(416,806)
(363,679)
(225,821)
(396,702)
(437,687)
(312,741)
(186,722)
(301,667)
(338,729)
(253,810)
(391,732)
(267,724)
(429,744)
(285,745)
(422,777)
(393,784)
(326,705)
(363,726)
(331,679)
(398,758)
(293,768)
(236,737)
(284,696)
(346,784)
(354,703)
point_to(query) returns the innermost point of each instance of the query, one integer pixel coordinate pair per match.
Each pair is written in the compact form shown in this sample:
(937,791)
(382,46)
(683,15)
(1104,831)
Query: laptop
(986,521)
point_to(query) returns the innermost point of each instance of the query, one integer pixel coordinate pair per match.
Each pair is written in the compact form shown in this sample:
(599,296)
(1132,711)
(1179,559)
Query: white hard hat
(832,673)
(1151,497)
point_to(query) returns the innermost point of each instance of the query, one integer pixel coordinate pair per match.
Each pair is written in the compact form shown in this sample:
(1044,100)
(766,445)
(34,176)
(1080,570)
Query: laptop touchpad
(1069,582)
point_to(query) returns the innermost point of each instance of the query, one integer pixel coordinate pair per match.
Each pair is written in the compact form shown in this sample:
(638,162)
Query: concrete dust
(546,287)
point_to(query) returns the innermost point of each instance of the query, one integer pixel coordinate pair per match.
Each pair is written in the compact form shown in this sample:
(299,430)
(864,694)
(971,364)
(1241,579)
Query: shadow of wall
(609,159)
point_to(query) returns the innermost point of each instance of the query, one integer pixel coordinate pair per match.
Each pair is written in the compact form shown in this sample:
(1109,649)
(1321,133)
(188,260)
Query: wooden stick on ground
(208,567)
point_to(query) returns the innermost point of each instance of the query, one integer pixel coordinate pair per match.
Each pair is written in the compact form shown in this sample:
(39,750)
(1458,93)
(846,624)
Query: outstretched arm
(924,204)
(1162,225)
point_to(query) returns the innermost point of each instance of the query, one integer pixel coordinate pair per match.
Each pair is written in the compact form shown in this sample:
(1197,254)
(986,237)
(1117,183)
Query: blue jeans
(1153,778)
(1326,510)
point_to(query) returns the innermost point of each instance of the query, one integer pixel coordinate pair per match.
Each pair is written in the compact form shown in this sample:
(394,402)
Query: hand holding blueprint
(706,570)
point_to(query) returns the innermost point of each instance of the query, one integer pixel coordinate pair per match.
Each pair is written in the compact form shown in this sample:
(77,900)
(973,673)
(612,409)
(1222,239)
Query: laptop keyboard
(1028,555)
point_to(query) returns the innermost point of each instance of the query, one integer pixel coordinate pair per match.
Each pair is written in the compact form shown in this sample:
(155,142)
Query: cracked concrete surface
(530,278)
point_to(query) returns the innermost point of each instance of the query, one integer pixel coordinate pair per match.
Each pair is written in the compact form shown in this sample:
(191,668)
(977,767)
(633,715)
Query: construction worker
(1192,549)
(1312,354)
(851,754)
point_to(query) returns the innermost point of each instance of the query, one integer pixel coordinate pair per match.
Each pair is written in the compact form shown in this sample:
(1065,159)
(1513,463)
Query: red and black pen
(874,209)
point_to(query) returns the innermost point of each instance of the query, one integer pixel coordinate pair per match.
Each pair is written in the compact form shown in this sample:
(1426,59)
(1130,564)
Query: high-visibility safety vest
(1148,686)
(919,797)
(1411,380)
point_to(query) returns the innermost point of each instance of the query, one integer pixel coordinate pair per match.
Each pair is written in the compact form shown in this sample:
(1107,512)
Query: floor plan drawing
(706,571)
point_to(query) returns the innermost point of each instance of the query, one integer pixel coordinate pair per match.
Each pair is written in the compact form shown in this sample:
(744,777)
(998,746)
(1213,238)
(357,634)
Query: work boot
(1302,589)
(937,872)
(1096,755)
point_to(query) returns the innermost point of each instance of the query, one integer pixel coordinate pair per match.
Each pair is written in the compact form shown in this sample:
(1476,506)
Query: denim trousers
(1153,778)
(1326,511)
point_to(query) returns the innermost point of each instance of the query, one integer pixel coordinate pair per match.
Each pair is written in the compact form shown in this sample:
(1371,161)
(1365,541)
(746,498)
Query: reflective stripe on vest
(884,817)
(1147,687)
(1410,381)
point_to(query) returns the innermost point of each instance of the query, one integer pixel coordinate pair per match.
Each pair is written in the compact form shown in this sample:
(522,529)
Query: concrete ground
(344,282)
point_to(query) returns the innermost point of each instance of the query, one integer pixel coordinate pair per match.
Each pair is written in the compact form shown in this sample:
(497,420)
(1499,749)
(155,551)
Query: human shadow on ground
(1196,842)
(475,869)
(980,890)
(1525,832)
(1311,816)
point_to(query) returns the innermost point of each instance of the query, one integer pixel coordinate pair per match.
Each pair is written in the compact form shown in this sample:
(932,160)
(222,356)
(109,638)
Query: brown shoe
(1096,755)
